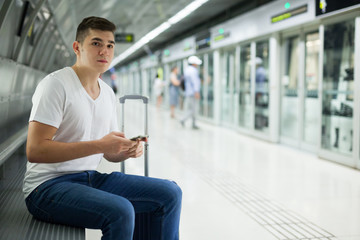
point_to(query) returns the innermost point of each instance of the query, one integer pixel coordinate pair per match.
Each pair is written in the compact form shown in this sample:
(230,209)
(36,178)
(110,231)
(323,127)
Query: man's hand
(135,151)
(114,143)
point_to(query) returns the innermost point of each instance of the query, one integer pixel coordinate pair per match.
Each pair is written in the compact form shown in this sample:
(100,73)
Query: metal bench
(15,220)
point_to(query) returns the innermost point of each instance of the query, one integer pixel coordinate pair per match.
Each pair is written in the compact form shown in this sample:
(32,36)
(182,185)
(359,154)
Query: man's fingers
(119,134)
(124,144)
(135,151)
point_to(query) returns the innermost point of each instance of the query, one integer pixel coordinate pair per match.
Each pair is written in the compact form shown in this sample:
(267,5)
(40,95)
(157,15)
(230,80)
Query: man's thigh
(77,205)
(145,193)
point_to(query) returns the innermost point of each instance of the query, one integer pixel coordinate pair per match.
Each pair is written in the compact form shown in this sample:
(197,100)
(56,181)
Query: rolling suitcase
(142,220)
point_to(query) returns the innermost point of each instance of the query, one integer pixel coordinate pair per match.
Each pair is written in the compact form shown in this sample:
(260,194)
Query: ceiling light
(186,11)
(157,31)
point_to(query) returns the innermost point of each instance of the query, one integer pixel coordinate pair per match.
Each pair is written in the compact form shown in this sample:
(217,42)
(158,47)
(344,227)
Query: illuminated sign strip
(289,14)
(221,36)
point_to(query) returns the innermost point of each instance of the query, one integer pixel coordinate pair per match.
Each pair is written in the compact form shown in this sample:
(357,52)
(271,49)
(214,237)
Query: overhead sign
(326,6)
(203,40)
(289,14)
(124,37)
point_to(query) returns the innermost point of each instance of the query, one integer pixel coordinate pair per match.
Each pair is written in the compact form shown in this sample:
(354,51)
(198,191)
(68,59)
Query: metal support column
(26,29)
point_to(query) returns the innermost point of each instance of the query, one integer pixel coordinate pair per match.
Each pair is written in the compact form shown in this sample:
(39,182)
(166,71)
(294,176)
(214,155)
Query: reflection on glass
(289,99)
(227,86)
(210,82)
(262,87)
(206,91)
(245,87)
(338,87)
(202,107)
(311,106)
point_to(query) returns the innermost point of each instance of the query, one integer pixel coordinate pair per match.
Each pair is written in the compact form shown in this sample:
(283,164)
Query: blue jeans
(109,202)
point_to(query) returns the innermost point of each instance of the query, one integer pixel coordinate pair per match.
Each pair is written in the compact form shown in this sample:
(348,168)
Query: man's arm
(40,147)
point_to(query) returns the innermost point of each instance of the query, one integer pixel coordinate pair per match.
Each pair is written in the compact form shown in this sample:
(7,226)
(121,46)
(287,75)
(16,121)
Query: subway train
(275,74)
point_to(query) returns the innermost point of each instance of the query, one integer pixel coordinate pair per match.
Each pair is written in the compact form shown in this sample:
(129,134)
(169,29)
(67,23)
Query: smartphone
(140,137)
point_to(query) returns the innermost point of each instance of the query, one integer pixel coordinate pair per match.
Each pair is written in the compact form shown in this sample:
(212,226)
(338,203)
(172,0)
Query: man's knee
(119,220)
(121,211)
(174,192)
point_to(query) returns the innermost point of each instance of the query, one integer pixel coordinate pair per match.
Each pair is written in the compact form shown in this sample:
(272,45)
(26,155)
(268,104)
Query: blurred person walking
(192,90)
(174,90)
(158,90)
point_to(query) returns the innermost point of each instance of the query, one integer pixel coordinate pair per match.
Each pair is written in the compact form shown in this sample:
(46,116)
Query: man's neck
(88,79)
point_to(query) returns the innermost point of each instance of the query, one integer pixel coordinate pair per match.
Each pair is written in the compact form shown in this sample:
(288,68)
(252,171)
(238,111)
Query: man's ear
(76,47)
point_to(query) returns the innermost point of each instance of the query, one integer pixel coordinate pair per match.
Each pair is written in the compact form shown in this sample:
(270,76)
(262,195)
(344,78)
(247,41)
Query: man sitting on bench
(72,125)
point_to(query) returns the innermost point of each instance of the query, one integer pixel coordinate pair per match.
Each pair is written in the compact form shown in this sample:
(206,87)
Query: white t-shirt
(61,101)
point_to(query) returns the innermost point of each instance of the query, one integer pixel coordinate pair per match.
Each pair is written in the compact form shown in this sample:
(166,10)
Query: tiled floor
(236,187)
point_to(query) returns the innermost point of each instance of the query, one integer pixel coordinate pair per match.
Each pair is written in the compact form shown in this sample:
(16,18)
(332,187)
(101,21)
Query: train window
(338,87)
(262,86)
(289,85)
(228,86)
(203,102)
(210,82)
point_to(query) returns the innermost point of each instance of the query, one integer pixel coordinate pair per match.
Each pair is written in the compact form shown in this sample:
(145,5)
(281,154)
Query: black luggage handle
(146,145)
(134,97)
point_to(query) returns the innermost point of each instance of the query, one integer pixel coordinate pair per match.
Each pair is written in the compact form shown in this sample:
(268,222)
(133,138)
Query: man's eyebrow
(100,40)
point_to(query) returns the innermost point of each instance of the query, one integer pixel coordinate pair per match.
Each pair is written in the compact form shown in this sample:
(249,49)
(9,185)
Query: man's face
(97,50)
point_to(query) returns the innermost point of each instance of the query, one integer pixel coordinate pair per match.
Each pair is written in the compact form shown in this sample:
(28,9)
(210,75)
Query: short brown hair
(96,23)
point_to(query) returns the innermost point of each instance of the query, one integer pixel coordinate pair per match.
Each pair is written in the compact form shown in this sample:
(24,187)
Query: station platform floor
(237,187)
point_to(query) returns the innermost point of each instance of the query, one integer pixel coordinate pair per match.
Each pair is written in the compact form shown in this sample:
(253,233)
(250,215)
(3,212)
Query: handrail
(8,147)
